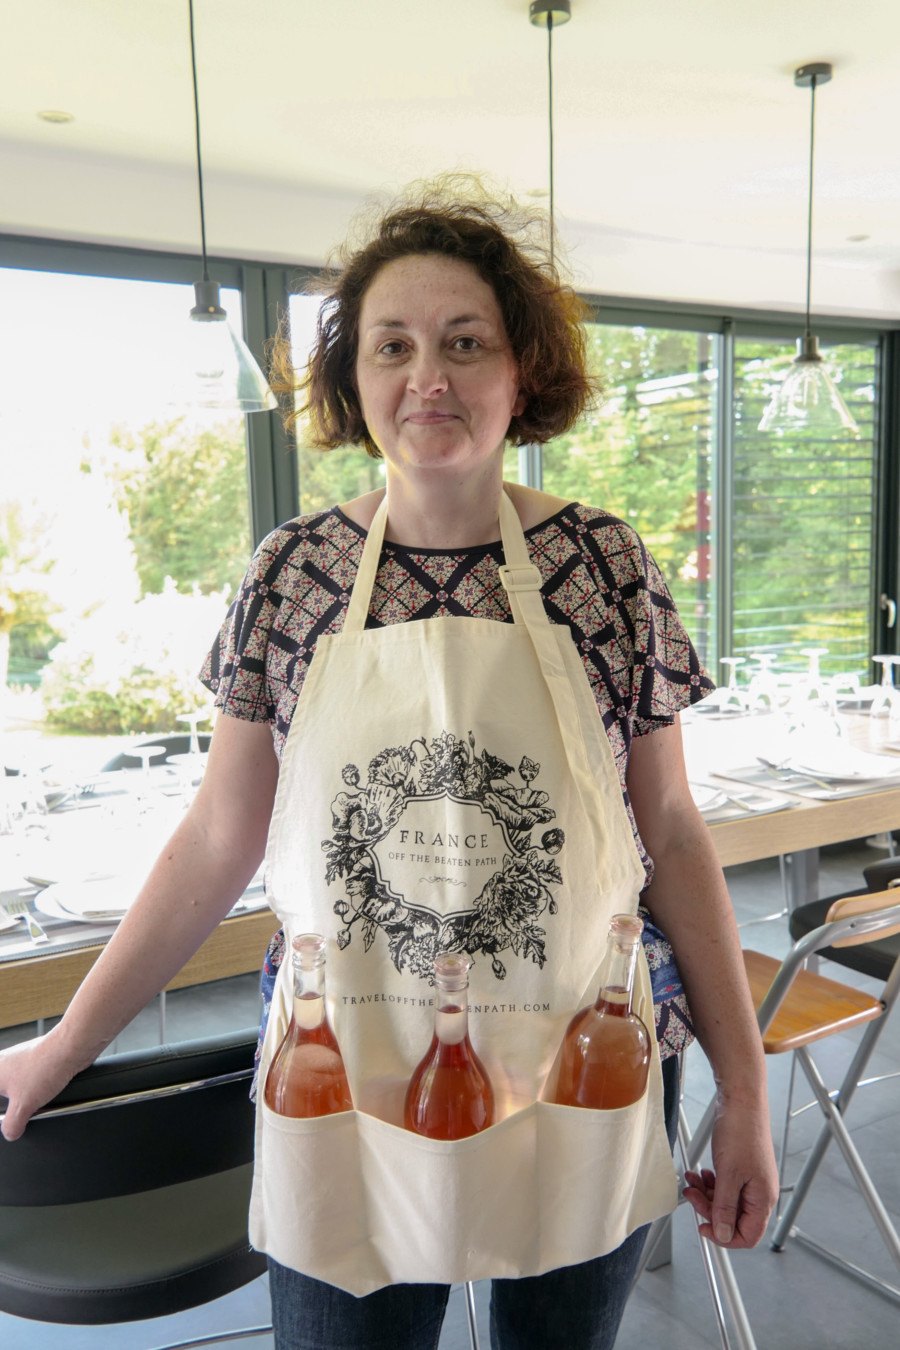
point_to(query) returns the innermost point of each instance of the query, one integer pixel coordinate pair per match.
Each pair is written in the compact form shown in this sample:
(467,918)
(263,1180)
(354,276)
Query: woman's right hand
(31,1074)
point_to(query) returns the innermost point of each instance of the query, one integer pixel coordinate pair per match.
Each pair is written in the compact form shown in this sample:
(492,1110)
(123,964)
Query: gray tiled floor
(793,1299)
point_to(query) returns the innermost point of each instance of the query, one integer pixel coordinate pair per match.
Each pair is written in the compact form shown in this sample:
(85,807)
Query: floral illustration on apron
(436,819)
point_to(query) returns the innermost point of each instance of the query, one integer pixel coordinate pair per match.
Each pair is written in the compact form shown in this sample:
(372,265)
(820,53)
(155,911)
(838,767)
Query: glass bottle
(449,1094)
(604,1058)
(307,1075)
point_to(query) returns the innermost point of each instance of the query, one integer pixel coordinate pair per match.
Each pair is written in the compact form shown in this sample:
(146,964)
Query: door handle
(890,605)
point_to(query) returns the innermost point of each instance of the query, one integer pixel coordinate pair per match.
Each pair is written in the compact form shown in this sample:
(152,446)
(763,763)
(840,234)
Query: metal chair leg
(469,1290)
(788,1117)
(839,1107)
(837,1129)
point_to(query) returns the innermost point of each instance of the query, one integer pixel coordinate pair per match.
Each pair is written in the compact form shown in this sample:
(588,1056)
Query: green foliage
(802,514)
(133,667)
(328,477)
(185,492)
(645,454)
(25,567)
(803,517)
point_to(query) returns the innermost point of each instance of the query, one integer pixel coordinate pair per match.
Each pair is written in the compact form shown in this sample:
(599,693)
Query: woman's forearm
(190,889)
(200,873)
(690,903)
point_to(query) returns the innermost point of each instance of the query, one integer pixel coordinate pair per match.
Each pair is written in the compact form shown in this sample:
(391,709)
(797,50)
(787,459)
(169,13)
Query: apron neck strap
(361,595)
(518,574)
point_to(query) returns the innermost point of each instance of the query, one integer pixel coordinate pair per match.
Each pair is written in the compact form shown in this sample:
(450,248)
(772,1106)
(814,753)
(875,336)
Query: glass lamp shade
(807,398)
(221,371)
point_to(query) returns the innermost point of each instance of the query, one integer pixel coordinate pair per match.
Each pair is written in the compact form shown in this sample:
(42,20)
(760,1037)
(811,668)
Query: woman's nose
(427,374)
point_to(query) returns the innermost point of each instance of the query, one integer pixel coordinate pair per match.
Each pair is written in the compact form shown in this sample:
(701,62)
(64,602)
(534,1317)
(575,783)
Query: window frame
(272,465)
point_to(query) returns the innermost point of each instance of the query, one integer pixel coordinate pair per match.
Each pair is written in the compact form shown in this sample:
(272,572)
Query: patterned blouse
(598,579)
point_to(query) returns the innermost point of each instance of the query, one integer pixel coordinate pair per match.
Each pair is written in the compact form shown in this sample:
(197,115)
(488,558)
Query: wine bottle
(604,1058)
(449,1094)
(307,1075)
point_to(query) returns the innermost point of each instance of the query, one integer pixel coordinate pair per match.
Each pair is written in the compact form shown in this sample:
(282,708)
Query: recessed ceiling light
(857,238)
(55,115)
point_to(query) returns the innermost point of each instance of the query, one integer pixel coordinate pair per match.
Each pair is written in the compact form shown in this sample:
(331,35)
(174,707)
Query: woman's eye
(390,349)
(466,344)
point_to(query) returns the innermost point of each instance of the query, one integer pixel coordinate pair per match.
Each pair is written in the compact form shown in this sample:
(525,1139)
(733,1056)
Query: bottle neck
(617,972)
(309,996)
(451,1013)
(309,983)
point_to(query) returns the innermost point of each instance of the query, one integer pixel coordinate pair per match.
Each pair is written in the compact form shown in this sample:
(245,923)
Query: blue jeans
(574,1308)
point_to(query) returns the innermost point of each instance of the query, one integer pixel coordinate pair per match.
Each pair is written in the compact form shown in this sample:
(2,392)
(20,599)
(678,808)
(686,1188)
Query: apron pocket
(309,1208)
(546,1187)
(600,1175)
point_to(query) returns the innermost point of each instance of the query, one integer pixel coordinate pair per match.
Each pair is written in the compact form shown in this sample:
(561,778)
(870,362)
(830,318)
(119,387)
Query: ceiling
(681,140)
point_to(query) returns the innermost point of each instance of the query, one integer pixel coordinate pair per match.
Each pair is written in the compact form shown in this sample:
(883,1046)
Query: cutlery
(782,767)
(748,804)
(24,909)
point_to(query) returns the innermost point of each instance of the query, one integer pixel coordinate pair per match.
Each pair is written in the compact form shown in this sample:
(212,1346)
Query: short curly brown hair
(455,217)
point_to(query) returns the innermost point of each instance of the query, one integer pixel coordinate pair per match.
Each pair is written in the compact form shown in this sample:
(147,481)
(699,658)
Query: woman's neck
(445,510)
(449,520)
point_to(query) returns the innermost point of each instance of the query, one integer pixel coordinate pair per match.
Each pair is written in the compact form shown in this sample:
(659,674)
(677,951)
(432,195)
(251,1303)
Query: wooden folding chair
(798,1007)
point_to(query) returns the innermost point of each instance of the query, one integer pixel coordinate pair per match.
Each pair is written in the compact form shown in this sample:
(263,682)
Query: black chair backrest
(879,875)
(875,958)
(138,1146)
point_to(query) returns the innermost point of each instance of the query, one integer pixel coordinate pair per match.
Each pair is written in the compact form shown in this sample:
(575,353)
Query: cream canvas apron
(447,784)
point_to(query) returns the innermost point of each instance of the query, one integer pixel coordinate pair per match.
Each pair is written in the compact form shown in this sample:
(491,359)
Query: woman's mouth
(426,419)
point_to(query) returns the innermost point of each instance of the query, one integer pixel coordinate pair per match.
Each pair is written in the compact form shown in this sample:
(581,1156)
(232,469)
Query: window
(767,541)
(804,517)
(647,455)
(124,519)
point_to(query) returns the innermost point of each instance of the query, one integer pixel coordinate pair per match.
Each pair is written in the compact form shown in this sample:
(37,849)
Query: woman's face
(434,372)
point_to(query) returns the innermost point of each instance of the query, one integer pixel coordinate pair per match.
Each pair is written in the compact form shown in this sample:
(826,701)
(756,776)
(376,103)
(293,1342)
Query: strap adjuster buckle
(524,577)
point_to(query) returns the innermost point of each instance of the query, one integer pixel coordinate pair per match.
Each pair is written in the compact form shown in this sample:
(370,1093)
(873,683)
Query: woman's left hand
(735,1197)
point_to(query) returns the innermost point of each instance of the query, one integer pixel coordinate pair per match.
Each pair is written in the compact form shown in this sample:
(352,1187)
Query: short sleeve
(235,668)
(668,675)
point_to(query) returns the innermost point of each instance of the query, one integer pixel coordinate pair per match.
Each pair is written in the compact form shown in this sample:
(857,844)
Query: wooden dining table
(41,983)
(807,823)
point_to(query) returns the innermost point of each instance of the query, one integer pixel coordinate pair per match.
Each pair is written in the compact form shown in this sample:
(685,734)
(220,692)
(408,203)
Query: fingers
(12,1124)
(734,1221)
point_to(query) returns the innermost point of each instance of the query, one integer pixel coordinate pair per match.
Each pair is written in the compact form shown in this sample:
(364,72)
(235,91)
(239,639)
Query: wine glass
(193,719)
(762,694)
(146,754)
(816,688)
(731,700)
(886,702)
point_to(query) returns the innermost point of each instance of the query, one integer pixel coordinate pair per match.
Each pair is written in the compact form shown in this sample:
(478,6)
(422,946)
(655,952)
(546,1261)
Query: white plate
(107,898)
(852,766)
(8,921)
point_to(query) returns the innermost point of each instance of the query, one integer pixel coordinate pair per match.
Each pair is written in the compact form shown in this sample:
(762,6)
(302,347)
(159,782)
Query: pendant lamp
(550,14)
(807,398)
(222,371)
(547,14)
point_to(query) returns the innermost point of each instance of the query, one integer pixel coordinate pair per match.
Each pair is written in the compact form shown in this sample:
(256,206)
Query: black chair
(127,1196)
(178,743)
(874,958)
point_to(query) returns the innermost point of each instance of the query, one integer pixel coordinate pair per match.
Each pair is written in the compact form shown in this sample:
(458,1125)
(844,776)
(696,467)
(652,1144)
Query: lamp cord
(809,222)
(197,134)
(550,131)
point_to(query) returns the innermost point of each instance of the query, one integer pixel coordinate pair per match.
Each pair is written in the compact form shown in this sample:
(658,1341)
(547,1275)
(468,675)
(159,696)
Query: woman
(444,337)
